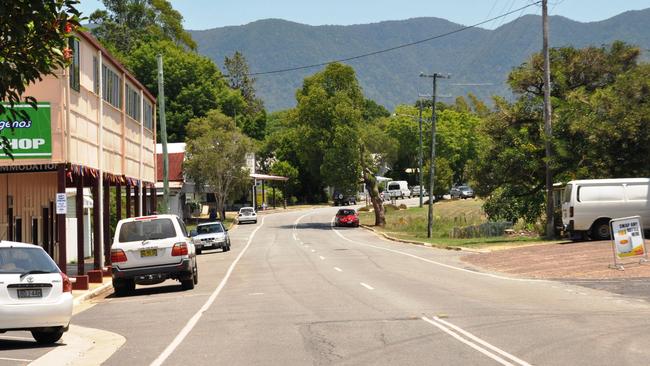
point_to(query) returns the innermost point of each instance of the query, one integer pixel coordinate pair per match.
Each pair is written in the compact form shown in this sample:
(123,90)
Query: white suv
(150,249)
(34,294)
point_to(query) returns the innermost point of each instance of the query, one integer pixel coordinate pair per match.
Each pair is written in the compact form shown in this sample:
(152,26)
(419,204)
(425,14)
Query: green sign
(31,137)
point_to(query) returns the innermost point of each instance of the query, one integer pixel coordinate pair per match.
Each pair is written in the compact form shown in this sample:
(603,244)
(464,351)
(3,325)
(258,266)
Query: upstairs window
(148,115)
(74,64)
(112,88)
(132,103)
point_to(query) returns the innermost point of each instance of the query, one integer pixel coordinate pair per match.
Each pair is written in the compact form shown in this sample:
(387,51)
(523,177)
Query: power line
(391,48)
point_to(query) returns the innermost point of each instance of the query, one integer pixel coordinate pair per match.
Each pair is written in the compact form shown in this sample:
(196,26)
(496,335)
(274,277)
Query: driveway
(585,264)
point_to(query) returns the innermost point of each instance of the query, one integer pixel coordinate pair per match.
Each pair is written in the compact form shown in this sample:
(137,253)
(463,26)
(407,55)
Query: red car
(346,217)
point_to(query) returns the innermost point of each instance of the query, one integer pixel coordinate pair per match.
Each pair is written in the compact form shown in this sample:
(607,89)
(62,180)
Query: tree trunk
(221,209)
(377,203)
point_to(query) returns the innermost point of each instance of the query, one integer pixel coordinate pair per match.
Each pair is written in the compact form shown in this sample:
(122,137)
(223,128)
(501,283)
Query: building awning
(268,177)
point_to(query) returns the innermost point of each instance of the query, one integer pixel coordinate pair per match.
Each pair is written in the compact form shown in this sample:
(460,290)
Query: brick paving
(584,260)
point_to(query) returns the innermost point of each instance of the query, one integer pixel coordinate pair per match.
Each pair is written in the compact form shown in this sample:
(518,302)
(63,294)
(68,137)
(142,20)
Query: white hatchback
(247,214)
(34,294)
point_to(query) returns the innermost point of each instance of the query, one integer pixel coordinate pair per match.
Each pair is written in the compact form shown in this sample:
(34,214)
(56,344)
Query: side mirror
(192,233)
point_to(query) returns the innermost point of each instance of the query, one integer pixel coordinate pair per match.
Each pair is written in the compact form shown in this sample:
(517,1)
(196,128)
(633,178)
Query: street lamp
(434,77)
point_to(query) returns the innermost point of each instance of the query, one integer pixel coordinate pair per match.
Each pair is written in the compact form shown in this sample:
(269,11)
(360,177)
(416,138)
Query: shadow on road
(9,344)
(150,290)
(314,226)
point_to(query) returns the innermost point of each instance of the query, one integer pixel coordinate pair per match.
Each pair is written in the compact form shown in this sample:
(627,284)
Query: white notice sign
(61,204)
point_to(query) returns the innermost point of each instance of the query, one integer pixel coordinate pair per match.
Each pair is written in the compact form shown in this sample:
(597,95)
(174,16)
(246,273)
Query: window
(209,229)
(74,65)
(148,115)
(147,230)
(112,87)
(21,260)
(567,192)
(95,75)
(600,193)
(132,103)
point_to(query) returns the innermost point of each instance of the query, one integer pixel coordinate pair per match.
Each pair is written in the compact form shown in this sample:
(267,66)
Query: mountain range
(473,56)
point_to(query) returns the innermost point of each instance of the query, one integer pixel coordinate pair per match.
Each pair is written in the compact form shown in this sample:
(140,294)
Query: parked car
(213,235)
(462,192)
(341,199)
(415,191)
(589,205)
(247,214)
(398,189)
(35,295)
(151,249)
(346,217)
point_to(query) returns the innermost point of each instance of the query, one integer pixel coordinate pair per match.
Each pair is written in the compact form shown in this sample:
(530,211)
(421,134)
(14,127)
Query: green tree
(598,98)
(125,24)
(216,155)
(340,139)
(285,169)
(193,84)
(252,117)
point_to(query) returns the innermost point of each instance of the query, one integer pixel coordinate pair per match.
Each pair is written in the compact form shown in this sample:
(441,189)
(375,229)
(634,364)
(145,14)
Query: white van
(588,205)
(398,189)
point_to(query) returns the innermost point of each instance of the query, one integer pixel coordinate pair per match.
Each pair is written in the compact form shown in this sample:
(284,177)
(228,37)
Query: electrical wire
(391,48)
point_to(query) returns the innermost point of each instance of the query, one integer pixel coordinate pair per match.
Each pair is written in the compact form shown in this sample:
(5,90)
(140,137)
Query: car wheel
(600,230)
(123,287)
(47,336)
(199,251)
(187,283)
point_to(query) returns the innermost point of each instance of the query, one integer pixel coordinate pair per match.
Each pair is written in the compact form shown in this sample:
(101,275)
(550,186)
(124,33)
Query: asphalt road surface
(295,291)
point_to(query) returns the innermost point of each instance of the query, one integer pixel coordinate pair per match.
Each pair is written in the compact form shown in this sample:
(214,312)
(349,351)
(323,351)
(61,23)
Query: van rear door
(567,205)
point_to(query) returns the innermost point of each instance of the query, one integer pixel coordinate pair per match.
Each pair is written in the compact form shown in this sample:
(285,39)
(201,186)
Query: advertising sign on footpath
(627,239)
(29,135)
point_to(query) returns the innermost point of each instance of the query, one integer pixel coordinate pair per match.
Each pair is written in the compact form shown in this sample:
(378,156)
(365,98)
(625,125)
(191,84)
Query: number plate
(148,252)
(30,293)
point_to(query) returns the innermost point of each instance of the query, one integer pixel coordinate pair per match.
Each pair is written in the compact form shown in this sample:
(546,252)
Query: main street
(295,291)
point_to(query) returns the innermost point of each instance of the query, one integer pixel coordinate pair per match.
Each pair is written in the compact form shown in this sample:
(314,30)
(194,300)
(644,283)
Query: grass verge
(411,224)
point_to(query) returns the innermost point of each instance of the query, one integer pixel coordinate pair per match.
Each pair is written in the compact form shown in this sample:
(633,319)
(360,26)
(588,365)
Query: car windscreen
(147,230)
(464,188)
(25,260)
(209,229)
(345,212)
(392,187)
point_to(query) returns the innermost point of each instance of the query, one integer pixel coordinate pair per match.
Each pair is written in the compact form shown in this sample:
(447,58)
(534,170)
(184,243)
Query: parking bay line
(194,320)
(15,359)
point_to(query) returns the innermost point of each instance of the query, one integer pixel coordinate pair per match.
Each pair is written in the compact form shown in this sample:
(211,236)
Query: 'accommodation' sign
(30,137)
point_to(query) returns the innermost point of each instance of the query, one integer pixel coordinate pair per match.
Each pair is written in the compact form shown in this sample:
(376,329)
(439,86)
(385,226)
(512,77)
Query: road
(295,291)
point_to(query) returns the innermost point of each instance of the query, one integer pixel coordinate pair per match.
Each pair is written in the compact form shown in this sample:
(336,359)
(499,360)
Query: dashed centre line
(321,257)
(313,251)
(366,286)
(338,269)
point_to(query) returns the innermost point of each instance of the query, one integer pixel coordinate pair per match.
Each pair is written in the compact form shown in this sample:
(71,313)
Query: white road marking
(15,359)
(366,286)
(294,236)
(338,269)
(256,294)
(192,322)
(441,324)
(321,257)
(16,337)
(438,263)
(482,342)
(313,250)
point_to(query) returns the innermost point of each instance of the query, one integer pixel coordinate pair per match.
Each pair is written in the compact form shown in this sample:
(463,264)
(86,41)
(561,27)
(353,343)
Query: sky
(205,14)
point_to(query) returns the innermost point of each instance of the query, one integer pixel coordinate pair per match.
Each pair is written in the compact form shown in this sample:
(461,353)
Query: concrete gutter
(392,238)
(82,346)
(93,293)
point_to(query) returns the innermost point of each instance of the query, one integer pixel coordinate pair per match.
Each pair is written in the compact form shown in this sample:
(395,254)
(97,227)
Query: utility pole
(548,131)
(421,179)
(163,134)
(435,76)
